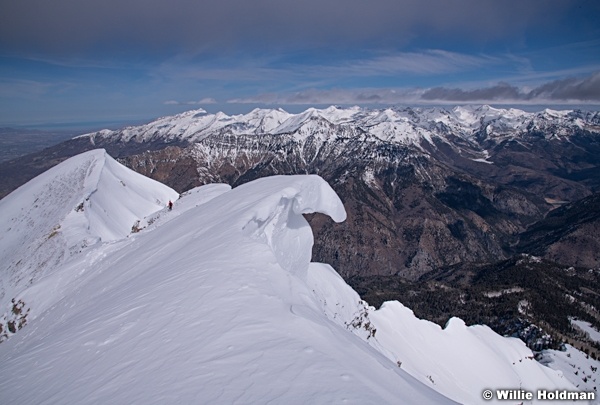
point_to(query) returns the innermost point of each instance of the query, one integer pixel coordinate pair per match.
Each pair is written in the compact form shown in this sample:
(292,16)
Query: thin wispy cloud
(334,96)
(427,62)
(421,64)
(204,101)
(31,89)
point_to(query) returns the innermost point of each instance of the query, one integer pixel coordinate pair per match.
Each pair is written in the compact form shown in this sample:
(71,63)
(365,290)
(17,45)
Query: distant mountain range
(425,189)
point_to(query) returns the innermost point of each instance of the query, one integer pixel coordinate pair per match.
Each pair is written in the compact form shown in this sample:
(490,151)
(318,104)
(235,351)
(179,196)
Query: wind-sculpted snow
(277,218)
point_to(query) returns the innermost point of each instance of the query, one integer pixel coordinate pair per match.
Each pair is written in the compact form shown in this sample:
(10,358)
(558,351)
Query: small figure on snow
(170,205)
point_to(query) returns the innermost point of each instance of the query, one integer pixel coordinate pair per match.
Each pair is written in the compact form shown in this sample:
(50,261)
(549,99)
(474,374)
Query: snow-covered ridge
(199,309)
(399,125)
(217,302)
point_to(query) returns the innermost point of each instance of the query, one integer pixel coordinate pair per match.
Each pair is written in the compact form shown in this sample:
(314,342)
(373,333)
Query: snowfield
(587,328)
(213,302)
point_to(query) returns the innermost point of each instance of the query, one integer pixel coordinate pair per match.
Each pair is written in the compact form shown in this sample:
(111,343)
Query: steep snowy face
(85,200)
(203,306)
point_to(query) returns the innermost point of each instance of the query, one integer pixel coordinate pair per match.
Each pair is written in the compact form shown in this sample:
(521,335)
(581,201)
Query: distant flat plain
(19,142)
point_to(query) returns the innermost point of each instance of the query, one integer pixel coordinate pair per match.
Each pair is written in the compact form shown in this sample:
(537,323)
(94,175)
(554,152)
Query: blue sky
(127,61)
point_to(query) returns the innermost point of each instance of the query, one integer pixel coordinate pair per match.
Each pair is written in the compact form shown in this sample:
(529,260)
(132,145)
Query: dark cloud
(502,91)
(369,98)
(565,90)
(586,89)
(134,26)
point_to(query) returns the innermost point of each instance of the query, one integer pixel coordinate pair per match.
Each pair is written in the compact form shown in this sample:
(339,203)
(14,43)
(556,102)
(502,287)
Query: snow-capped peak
(88,199)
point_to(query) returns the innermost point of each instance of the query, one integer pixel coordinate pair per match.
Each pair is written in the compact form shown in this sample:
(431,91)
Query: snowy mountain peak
(86,200)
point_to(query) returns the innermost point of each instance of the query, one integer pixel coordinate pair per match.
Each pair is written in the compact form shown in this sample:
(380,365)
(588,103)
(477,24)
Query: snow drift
(217,302)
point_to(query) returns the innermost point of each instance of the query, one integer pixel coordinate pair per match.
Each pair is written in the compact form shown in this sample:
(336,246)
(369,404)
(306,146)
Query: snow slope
(217,302)
(201,307)
(457,361)
(579,368)
(587,328)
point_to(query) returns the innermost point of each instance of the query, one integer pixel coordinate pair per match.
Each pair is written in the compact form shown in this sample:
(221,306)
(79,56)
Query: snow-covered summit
(217,302)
